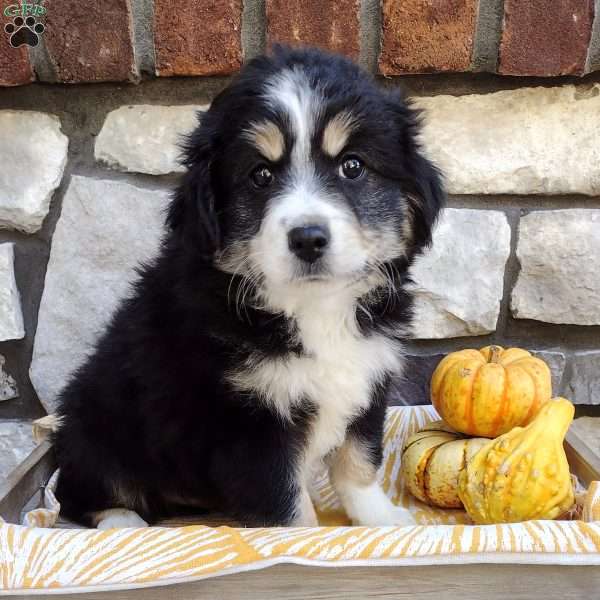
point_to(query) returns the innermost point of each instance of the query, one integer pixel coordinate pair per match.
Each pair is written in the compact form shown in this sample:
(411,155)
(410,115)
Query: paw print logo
(24,31)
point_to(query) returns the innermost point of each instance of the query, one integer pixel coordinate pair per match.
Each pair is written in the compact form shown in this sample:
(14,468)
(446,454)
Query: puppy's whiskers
(386,271)
(246,279)
(365,310)
(247,284)
(248,289)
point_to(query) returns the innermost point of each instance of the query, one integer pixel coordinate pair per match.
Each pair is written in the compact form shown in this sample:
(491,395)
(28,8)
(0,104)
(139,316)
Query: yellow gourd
(524,473)
(487,392)
(432,459)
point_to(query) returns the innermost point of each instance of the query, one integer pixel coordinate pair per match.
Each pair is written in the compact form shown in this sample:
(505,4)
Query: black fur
(149,421)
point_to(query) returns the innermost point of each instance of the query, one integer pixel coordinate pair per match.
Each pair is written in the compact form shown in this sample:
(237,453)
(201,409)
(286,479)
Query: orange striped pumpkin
(487,392)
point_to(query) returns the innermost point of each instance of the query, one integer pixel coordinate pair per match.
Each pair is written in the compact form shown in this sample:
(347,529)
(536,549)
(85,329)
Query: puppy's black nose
(309,242)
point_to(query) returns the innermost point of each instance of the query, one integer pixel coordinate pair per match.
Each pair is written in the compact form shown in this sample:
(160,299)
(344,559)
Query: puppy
(259,344)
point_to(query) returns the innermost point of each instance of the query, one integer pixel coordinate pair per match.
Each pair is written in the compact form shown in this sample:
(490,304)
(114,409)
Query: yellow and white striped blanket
(35,557)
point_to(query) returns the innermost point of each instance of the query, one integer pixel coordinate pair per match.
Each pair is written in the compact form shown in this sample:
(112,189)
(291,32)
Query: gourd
(524,473)
(487,392)
(432,459)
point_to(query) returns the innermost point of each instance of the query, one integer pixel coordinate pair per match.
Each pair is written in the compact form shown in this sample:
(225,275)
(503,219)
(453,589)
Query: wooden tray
(494,582)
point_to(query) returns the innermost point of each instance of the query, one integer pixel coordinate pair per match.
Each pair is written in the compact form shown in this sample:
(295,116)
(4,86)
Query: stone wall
(87,166)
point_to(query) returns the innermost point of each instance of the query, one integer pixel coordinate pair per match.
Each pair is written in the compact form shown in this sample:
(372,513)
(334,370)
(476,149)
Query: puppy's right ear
(192,216)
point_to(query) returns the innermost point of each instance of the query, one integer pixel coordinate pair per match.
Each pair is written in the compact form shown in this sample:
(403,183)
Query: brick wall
(88,122)
(121,40)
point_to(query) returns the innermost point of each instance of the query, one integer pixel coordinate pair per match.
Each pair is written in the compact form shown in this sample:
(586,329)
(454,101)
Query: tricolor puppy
(257,347)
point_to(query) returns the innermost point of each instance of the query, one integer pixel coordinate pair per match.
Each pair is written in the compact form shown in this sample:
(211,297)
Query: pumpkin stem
(495,354)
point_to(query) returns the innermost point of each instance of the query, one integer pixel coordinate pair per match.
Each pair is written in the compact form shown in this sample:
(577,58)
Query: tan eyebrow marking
(337,132)
(267,138)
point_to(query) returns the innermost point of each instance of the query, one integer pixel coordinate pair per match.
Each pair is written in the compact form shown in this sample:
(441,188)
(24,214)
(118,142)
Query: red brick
(333,25)
(90,41)
(197,38)
(15,68)
(545,37)
(425,36)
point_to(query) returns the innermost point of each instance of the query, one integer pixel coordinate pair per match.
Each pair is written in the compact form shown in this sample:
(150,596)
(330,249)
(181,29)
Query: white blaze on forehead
(267,138)
(337,132)
(292,93)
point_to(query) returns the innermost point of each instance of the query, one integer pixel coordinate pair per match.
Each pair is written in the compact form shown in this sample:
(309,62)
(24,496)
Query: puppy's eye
(262,177)
(351,167)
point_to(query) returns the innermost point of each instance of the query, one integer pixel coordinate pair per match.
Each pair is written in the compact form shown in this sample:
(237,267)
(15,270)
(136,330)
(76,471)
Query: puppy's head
(304,173)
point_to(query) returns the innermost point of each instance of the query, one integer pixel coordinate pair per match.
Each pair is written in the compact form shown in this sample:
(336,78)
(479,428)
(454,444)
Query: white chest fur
(336,372)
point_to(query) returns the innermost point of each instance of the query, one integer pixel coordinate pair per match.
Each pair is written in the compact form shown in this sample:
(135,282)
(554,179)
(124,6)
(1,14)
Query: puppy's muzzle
(309,242)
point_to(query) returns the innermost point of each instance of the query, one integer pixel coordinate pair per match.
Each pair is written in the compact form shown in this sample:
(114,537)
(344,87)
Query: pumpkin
(524,473)
(432,459)
(487,392)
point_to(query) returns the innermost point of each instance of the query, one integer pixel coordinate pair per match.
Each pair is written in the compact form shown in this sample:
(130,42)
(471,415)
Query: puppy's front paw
(370,507)
(119,518)
(402,517)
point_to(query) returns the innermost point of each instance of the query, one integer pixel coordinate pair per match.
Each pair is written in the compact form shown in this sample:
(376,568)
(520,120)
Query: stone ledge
(11,316)
(26,188)
(525,141)
(145,138)
(559,253)
(459,281)
(8,385)
(583,386)
(106,228)
(535,149)
(16,443)
(557,362)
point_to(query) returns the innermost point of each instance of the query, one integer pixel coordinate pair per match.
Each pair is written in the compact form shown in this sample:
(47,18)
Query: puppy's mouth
(345,280)
(310,278)
(315,271)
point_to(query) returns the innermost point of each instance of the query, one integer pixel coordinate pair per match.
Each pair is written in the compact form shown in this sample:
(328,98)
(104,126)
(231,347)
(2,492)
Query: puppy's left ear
(192,215)
(422,181)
